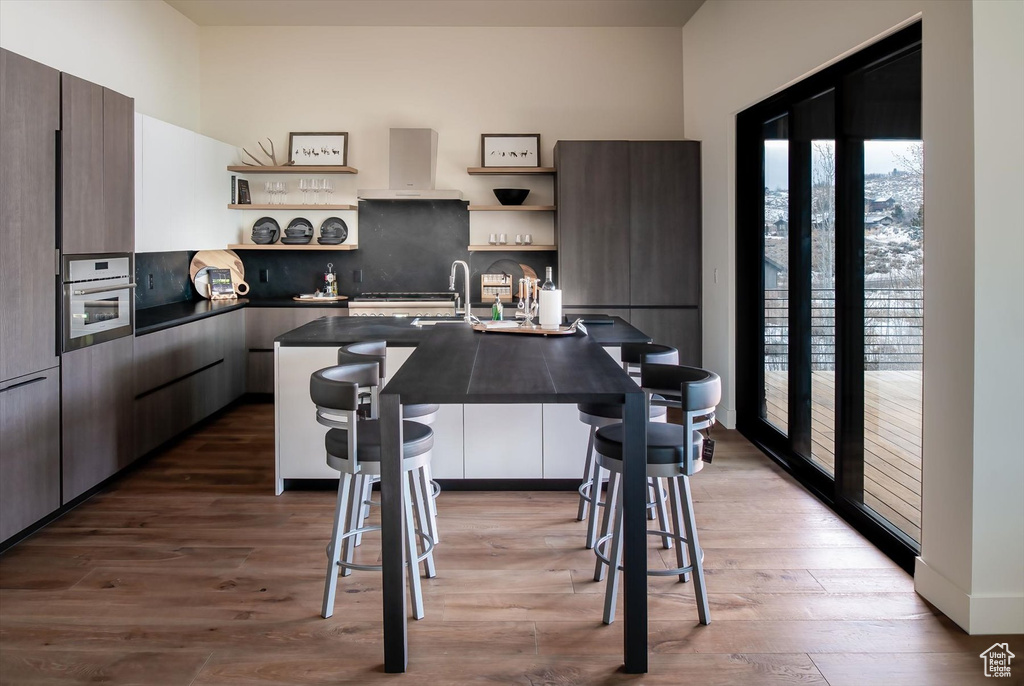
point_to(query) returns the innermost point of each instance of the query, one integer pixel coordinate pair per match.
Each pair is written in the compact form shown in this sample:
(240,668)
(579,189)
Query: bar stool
(353,448)
(674,453)
(377,351)
(598,415)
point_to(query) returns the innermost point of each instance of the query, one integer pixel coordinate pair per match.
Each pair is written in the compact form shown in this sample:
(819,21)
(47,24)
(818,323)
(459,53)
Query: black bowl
(511,196)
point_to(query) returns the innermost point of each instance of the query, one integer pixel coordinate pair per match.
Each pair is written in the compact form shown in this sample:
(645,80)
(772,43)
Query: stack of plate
(299,232)
(333,231)
(265,231)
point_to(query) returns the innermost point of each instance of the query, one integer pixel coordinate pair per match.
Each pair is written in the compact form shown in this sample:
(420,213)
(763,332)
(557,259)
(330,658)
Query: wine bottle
(548,284)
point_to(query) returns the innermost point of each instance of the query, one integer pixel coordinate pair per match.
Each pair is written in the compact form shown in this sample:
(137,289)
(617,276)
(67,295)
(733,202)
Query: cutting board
(219,259)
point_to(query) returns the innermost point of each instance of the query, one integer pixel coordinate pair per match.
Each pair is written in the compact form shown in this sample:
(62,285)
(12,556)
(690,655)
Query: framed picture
(510,150)
(318,149)
(243,193)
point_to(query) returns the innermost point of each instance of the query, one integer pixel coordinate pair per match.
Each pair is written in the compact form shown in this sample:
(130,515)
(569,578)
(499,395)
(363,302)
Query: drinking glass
(493,239)
(528,239)
(502,239)
(269,188)
(318,186)
(519,239)
(329,190)
(282,191)
(304,189)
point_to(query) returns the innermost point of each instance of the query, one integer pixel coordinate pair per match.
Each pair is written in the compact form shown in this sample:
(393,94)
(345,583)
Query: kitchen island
(453,365)
(541,445)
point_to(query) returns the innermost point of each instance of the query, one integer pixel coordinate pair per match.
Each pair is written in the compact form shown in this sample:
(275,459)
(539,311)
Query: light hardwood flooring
(190,571)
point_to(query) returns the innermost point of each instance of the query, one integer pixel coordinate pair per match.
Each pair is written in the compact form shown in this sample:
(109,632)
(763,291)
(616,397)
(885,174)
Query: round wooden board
(219,259)
(332,299)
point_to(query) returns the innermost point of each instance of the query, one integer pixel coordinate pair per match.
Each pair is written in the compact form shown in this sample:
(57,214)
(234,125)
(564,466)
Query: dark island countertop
(401,332)
(153,319)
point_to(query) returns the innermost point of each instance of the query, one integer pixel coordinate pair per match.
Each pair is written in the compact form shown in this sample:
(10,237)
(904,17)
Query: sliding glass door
(830,232)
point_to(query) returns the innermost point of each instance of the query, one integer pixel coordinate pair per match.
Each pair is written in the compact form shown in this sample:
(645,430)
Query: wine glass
(269,188)
(282,191)
(317,186)
(329,189)
(304,189)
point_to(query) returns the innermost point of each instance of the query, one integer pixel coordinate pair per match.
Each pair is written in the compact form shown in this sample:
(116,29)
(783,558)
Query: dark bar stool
(377,351)
(673,453)
(598,415)
(353,448)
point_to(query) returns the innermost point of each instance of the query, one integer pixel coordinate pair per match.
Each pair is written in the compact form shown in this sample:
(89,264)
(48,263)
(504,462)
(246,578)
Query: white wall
(998,525)
(736,54)
(572,83)
(141,48)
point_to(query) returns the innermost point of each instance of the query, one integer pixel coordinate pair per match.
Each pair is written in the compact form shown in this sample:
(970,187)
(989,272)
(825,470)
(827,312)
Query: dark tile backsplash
(403,246)
(171,282)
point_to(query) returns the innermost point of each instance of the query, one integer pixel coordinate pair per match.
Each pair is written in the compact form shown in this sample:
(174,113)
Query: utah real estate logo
(997,660)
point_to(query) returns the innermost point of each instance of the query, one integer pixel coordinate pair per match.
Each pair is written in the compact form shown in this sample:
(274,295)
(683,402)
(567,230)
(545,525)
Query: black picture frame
(510,150)
(243,192)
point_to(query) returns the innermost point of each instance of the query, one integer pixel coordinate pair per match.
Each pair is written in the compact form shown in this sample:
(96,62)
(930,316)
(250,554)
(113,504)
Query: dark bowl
(511,196)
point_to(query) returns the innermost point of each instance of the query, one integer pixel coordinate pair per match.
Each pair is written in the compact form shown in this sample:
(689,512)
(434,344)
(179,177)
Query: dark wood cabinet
(665,223)
(118,229)
(186,373)
(82,214)
(675,326)
(262,326)
(592,195)
(97,168)
(29,450)
(29,120)
(96,414)
(651,192)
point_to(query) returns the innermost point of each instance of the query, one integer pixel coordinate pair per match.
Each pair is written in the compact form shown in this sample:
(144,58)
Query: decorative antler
(270,154)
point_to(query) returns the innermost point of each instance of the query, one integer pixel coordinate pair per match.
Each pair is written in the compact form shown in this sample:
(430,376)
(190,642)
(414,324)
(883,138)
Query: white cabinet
(182,189)
(300,439)
(503,442)
(447,461)
(565,442)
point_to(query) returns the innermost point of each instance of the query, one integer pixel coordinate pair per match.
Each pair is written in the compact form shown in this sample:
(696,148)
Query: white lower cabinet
(447,462)
(503,442)
(565,442)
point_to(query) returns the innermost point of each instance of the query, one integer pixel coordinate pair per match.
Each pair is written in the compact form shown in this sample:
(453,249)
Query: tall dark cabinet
(29,371)
(98,168)
(629,234)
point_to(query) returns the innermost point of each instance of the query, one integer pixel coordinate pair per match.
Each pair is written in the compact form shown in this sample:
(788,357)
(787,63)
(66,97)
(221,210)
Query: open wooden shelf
(293,207)
(511,208)
(282,246)
(292,169)
(510,171)
(512,248)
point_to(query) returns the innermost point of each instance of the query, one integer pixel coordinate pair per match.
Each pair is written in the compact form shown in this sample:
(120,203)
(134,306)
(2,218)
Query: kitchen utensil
(264,227)
(299,226)
(334,227)
(511,196)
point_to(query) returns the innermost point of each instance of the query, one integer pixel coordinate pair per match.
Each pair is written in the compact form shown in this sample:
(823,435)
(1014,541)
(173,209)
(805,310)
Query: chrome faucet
(451,287)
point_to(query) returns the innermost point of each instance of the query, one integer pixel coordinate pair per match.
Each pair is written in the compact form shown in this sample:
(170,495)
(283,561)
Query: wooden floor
(892,437)
(189,571)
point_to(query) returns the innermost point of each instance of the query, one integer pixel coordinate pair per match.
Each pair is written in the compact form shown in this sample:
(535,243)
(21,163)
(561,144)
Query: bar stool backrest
(634,355)
(368,351)
(699,392)
(335,392)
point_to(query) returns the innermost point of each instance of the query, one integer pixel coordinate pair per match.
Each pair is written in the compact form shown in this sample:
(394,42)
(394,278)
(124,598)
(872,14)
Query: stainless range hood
(412,168)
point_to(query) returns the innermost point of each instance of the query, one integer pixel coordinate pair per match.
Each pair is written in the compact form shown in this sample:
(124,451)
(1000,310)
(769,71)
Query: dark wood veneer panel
(29,119)
(665,223)
(678,327)
(82,165)
(96,413)
(29,450)
(117,234)
(592,195)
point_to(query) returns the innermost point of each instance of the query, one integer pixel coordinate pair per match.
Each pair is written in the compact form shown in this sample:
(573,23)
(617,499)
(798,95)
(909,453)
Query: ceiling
(437,12)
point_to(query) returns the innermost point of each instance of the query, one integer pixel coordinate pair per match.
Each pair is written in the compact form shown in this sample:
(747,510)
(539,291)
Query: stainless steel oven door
(97,309)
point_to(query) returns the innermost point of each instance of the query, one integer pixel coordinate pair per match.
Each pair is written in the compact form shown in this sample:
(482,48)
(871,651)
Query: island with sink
(482,442)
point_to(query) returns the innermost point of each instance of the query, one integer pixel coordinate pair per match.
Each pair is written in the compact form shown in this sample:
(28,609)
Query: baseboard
(976,614)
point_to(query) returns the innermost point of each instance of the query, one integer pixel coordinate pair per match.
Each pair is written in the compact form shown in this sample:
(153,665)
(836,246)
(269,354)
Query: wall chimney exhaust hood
(412,159)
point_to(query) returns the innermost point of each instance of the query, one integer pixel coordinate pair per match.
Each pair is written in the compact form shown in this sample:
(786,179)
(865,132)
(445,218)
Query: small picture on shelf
(221,287)
(243,193)
(510,150)
(318,149)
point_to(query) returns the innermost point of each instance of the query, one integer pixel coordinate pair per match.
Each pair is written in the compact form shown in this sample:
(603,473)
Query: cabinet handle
(102,289)
(23,383)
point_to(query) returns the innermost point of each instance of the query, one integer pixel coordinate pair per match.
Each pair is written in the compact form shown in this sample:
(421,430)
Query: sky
(879,158)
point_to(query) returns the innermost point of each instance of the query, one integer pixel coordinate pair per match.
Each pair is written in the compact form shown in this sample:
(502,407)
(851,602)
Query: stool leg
(365,493)
(596,483)
(410,554)
(611,591)
(423,474)
(699,589)
(650,498)
(353,520)
(588,477)
(610,500)
(682,553)
(334,548)
(420,509)
(659,495)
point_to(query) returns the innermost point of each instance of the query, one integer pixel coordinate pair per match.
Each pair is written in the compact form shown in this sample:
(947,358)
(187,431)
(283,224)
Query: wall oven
(98,299)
